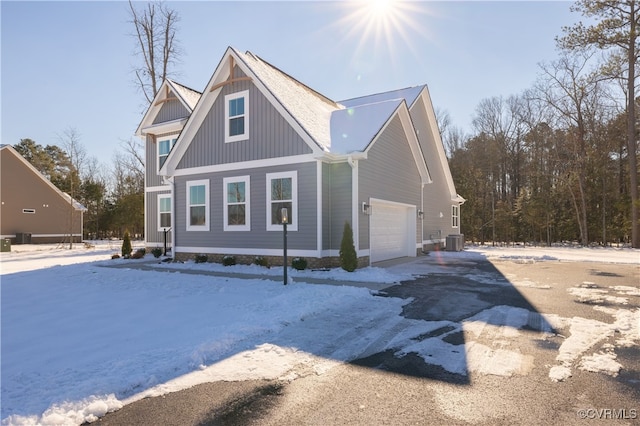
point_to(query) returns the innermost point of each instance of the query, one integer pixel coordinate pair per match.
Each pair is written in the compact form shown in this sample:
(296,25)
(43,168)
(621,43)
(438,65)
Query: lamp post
(285,220)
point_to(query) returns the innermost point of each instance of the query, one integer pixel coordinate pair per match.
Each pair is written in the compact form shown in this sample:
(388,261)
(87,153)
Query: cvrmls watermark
(608,413)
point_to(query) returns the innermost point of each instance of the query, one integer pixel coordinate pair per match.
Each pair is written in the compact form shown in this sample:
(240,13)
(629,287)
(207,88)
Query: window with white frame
(236,213)
(164,147)
(164,212)
(198,205)
(236,116)
(455,216)
(282,192)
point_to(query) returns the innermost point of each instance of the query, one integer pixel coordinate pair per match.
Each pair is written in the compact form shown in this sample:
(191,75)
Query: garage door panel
(389,231)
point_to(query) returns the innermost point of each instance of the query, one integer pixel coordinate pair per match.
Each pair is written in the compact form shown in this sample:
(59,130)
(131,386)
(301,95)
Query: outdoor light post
(285,220)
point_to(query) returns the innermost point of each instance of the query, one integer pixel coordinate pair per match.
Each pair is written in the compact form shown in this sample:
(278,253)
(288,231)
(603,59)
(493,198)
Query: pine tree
(126,245)
(348,256)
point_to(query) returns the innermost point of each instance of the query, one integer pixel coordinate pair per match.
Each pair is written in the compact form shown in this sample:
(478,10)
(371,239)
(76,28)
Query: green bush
(229,260)
(299,263)
(201,258)
(348,256)
(156,252)
(126,245)
(261,261)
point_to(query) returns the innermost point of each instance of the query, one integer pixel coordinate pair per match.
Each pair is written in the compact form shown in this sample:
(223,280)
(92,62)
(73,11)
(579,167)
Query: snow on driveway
(81,340)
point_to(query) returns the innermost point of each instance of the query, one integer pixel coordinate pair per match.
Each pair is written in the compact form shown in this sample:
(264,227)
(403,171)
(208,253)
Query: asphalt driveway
(525,333)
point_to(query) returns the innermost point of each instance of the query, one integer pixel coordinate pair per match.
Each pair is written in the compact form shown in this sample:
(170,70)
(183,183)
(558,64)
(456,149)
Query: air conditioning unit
(455,242)
(23,238)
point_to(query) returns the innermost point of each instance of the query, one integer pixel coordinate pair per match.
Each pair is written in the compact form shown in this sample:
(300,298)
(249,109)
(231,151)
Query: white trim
(160,197)
(355,202)
(207,220)
(245,115)
(247,203)
(158,188)
(167,138)
(336,253)
(53,235)
(293,175)
(319,210)
(173,126)
(264,252)
(244,165)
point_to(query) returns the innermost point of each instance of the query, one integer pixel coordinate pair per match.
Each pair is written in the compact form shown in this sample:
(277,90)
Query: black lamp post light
(285,220)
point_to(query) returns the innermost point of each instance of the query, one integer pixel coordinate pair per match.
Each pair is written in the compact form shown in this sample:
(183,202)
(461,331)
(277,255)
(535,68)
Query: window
(236,204)
(236,111)
(455,216)
(282,192)
(164,147)
(198,205)
(164,212)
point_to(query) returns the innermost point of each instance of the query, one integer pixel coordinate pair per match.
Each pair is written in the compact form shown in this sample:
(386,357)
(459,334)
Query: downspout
(173,215)
(355,226)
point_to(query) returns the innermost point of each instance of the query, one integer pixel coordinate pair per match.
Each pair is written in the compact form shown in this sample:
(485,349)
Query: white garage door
(391,231)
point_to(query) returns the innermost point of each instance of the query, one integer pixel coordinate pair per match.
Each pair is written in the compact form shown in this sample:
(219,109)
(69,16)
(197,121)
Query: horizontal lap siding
(259,238)
(389,173)
(270,135)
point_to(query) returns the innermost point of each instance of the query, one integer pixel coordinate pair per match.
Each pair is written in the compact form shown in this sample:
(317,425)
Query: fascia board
(152,111)
(166,127)
(198,115)
(435,133)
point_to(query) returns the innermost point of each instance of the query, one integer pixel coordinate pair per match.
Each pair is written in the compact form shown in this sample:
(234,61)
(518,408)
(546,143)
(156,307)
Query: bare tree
(617,27)
(155,33)
(70,141)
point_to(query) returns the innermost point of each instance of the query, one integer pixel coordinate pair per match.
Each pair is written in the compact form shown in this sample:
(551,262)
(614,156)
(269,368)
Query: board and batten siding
(152,235)
(389,173)
(258,237)
(437,195)
(336,203)
(171,110)
(270,136)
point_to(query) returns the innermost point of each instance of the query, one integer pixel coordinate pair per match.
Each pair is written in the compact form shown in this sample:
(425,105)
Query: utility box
(5,245)
(455,242)
(23,238)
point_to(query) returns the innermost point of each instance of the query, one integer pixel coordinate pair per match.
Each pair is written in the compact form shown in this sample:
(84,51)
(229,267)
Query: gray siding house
(32,209)
(222,164)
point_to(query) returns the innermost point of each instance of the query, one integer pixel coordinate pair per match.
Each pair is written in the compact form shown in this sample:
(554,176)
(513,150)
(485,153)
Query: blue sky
(69,64)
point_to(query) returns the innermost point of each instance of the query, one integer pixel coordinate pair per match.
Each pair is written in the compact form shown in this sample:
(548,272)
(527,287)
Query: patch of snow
(559,373)
(596,295)
(602,362)
(627,290)
(532,254)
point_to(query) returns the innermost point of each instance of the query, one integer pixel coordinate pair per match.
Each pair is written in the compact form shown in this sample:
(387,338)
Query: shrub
(348,256)
(115,256)
(229,260)
(262,261)
(139,254)
(156,252)
(126,245)
(201,258)
(299,263)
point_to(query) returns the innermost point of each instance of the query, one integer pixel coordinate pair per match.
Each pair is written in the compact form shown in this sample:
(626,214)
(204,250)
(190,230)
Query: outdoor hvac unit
(455,242)
(23,238)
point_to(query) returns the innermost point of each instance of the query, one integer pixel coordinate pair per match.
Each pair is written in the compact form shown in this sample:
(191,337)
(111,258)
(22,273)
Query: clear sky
(69,64)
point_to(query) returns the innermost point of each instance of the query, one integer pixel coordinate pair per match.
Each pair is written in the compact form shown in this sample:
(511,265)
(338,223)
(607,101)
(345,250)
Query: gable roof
(64,195)
(187,97)
(409,94)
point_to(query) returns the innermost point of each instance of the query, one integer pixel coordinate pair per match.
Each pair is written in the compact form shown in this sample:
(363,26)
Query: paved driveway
(515,342)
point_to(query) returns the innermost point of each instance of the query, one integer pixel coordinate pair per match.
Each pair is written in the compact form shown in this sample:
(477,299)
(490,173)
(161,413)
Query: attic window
(236,116)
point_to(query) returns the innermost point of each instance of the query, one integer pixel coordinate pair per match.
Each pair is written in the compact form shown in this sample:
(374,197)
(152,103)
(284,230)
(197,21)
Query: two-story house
(222,164)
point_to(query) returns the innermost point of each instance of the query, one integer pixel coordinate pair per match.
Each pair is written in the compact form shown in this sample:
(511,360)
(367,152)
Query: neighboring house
(32,209)
(221,165)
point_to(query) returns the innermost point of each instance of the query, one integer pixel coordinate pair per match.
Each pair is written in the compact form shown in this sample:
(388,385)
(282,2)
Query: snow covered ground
(80,339)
